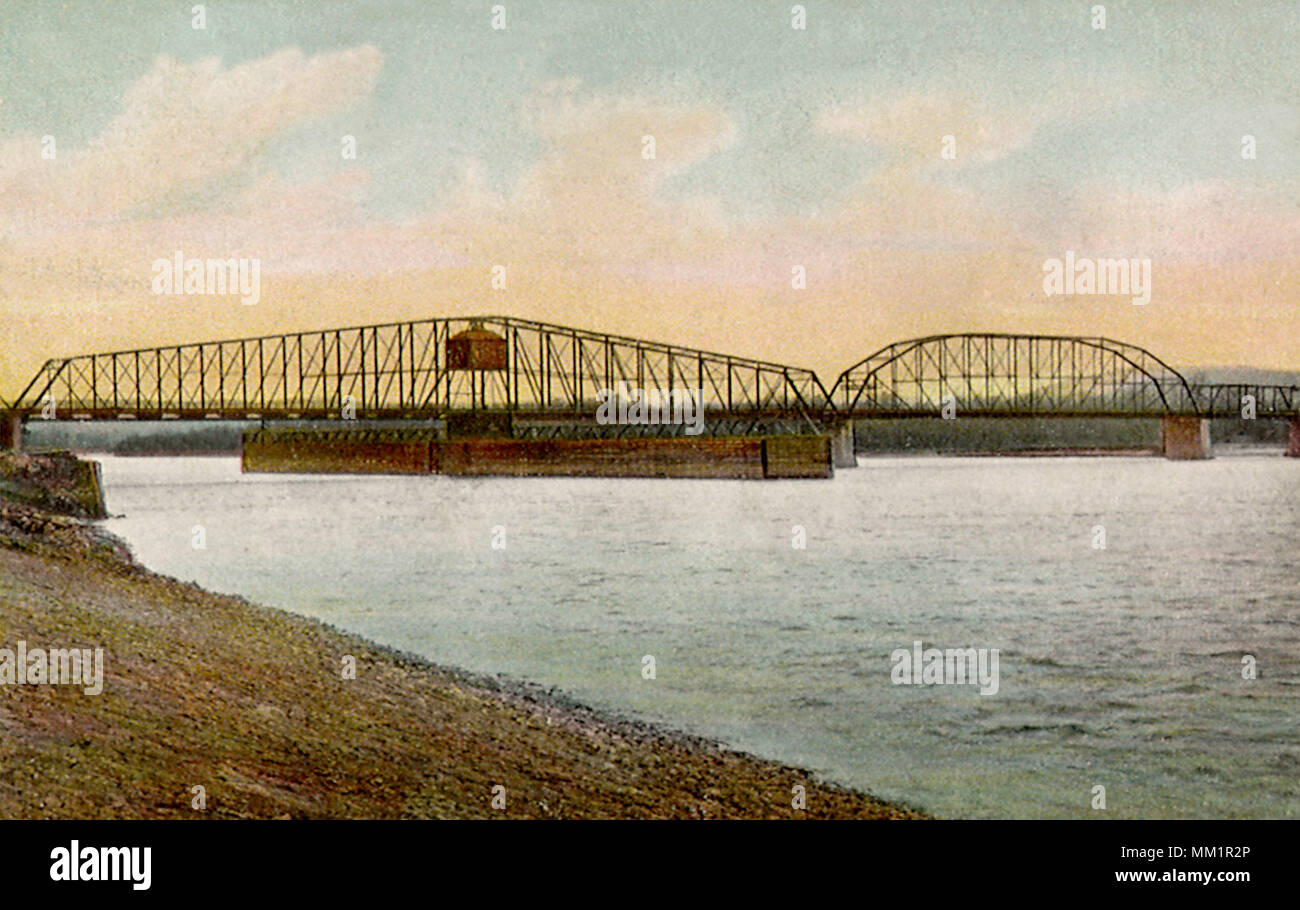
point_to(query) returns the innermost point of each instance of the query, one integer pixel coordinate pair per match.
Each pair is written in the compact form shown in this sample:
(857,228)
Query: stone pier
(1185,438)
(11,430)
(842,447)
(1293,439)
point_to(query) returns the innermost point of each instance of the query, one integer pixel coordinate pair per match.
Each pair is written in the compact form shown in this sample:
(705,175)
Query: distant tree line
(993,434)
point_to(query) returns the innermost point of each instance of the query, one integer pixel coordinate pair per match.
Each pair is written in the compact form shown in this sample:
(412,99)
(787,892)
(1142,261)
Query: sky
(128,135)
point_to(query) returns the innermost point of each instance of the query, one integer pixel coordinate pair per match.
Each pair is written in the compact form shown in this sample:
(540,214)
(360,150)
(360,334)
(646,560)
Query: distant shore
(1062,453)
(250,704)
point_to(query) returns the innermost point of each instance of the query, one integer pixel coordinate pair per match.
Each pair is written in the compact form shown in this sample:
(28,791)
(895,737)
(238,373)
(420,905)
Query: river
(1120,666)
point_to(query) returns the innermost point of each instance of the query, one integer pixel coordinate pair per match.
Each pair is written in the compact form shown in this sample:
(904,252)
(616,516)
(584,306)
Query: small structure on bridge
(476,348)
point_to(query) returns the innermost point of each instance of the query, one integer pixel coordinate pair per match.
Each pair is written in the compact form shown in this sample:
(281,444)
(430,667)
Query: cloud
(1205,221)
(913,126)
(189,136)
(595,195)
(916,200)
(183,167)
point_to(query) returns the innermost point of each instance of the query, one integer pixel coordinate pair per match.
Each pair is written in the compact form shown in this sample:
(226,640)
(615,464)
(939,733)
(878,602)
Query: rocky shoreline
(216,707)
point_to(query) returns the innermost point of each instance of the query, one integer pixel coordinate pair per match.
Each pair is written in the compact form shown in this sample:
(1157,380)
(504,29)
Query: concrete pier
(1293,439)
(842,446)
(1185,438)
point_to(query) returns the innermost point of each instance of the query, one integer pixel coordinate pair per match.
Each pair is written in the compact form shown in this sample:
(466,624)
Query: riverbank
(251,705)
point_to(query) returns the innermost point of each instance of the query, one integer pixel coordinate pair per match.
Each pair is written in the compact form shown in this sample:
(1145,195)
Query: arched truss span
(1012,375)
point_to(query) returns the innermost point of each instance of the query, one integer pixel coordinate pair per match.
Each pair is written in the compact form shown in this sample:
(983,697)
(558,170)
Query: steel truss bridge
(552,376)
(404,370)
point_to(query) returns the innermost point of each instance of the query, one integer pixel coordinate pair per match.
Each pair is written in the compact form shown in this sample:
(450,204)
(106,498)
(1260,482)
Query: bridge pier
(842,447)
(1293,439)
(11,430)
(1185,438)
